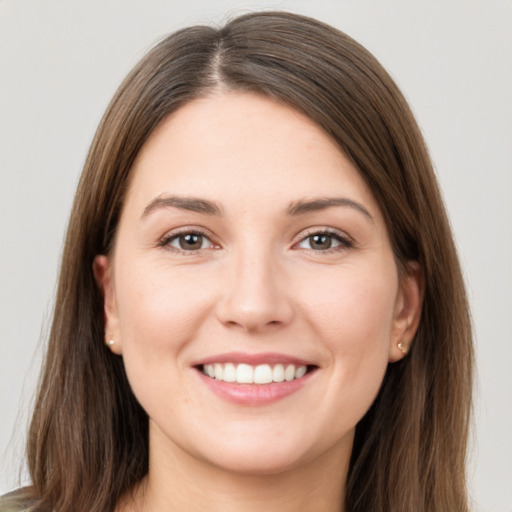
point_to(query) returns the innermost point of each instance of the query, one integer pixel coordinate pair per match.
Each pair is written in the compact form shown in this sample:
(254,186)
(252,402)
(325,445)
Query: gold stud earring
(403,347)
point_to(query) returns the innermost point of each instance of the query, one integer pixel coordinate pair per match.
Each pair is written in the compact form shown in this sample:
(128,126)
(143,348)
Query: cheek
(353,316)
(159,315)
(159,310)
(353,309)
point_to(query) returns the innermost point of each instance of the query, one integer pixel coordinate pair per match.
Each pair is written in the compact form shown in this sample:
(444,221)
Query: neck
(177,481)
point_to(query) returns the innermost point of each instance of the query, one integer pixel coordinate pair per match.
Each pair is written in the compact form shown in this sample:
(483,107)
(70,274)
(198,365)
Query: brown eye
(324,241)
(188,242)
(320,242)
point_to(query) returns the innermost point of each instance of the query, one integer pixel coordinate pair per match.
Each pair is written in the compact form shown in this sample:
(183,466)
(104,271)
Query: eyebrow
(303,206)
(300,207)
(192,204)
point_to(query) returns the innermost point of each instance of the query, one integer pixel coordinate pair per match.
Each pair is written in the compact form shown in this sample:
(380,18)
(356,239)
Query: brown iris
(191,241)
(320,242)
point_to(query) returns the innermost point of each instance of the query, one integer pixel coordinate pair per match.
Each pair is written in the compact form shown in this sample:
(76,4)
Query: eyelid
(173,234)
(346,241)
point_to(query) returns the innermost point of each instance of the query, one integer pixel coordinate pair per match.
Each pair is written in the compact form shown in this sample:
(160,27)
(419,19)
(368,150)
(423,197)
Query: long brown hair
(88,441)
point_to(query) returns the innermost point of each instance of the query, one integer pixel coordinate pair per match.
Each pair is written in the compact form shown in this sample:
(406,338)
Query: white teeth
(278,373)
(244,374)
(229,373)
(289,373)
(219,371)
(260,374)
(299,372)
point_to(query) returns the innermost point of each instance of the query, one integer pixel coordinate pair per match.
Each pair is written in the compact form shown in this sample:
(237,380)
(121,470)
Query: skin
(256,284)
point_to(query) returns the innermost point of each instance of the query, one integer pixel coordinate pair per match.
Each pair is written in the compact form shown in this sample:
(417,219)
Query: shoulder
(17,501)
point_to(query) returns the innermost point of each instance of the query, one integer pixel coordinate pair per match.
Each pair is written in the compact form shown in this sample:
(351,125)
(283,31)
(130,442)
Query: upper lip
(252,359)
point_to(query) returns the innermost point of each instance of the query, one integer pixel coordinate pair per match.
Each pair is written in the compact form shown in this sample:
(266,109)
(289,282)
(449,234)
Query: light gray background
(60,62)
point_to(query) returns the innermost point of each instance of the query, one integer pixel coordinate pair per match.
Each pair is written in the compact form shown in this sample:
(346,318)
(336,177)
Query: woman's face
(250,248)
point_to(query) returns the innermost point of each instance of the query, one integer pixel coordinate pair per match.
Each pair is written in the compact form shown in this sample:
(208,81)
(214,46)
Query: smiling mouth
(255,374)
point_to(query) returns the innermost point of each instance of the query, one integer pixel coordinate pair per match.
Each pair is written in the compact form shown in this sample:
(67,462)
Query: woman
(260,303)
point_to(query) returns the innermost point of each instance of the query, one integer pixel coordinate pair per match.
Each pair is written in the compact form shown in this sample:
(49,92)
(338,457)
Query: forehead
(231,147)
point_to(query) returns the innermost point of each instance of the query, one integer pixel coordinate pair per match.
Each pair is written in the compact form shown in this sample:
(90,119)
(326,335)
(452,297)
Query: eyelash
(344,242)
(166,241)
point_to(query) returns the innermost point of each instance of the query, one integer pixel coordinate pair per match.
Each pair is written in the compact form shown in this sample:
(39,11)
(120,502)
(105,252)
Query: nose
(256,296)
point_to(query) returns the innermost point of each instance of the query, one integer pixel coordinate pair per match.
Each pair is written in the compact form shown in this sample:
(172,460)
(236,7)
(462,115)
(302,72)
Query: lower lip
(254,394)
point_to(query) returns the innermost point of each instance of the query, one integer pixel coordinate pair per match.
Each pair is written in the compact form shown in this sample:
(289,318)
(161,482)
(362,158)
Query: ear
(103,273)
(407,311)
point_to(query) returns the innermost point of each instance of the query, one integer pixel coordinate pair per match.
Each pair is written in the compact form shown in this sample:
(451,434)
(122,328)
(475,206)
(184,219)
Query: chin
(259,463)
(264,455)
